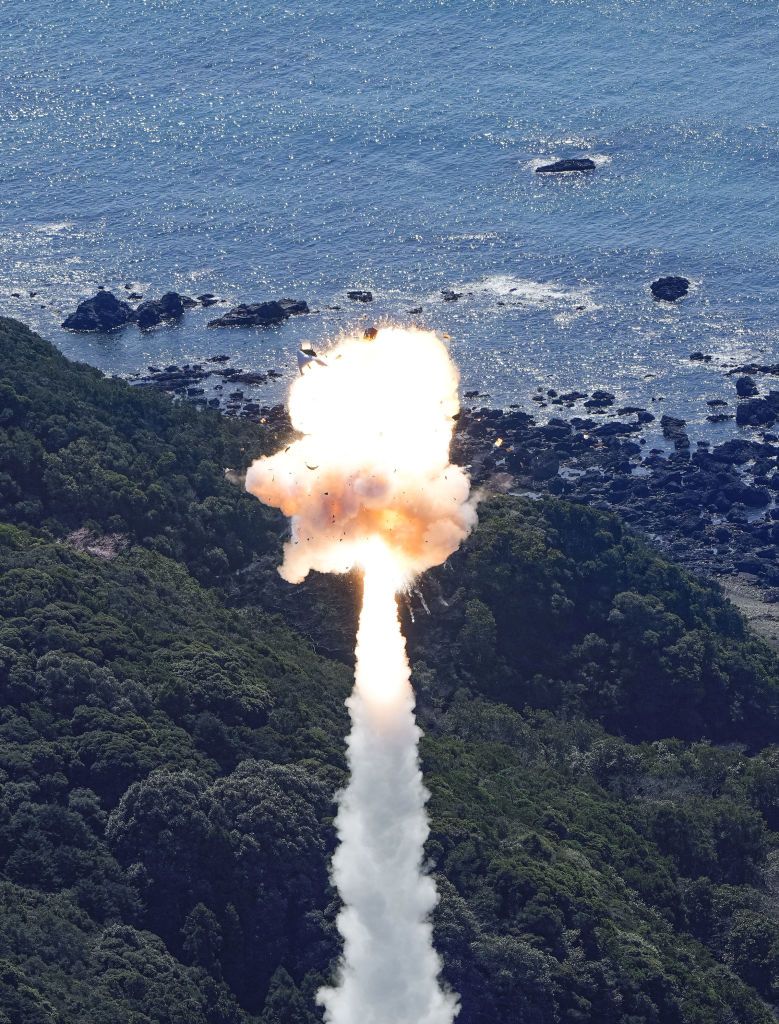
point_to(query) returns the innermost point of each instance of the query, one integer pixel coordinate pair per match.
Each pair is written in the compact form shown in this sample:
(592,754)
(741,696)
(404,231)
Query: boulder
(615,427)
(669,289)
(559,166)
(736,452)
(103,312)
(450,296)
(294,307)
(600,399)
(250,377)
(360,295)
(673,430)
(544,466)
(746,387)
(260,314)
(156,311)
(759,412)
(769,368)
(742,494)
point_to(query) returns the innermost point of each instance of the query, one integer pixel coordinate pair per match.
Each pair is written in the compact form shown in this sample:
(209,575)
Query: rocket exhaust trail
(369,485)
(390,969)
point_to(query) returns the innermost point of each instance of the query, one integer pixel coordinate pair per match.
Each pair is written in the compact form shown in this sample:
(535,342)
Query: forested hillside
(604,796)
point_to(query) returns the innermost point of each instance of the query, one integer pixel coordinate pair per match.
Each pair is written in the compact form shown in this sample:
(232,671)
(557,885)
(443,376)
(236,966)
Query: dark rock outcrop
(294,307)
(559,166)
(600,400)
(673,430)
(360,295)
(769,368)
(156,311)
(103,312)
(680,498)
(669,289)
(746,387)
(759,412)
(260,314)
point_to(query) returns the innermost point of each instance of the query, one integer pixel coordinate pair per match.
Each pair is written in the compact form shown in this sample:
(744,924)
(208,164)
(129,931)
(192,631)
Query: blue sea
(260,149)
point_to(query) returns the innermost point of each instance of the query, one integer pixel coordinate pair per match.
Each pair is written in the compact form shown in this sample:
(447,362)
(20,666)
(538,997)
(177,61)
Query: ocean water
(262,149)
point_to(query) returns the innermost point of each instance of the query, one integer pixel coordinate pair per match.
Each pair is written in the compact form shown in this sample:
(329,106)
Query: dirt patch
(105,545)
(760,607)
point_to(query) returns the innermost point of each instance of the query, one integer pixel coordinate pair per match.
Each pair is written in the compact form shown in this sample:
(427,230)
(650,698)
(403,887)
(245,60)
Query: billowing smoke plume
(370,484)
(374,458)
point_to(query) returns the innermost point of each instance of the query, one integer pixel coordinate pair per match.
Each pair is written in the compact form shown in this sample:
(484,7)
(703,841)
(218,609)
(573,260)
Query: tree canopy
(598,748)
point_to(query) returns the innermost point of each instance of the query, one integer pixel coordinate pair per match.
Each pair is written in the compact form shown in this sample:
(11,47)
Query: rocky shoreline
(105,312)
(710,507)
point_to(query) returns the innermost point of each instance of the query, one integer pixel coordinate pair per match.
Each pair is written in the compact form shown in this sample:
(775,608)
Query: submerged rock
(770,368)
(252,377)
(669,289)
(719,417)
(261,314)
(450,296)
(103,312)
(558,166)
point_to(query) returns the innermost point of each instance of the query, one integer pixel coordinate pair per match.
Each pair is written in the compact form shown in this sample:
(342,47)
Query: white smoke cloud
(389,973)
(374,457)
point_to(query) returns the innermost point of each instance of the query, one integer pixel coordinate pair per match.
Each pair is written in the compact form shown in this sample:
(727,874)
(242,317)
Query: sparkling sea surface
(259,150)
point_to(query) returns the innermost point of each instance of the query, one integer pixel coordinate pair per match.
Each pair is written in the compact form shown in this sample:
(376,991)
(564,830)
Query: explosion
(369,485)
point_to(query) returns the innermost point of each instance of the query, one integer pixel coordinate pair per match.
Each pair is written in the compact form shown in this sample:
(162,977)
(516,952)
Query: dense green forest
(605,799)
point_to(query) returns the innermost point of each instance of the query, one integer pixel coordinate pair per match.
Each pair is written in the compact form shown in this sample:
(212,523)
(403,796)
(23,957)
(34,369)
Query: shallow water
(260,149)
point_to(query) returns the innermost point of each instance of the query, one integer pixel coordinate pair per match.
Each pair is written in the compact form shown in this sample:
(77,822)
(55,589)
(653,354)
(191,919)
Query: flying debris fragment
(233,477)
(307,356)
